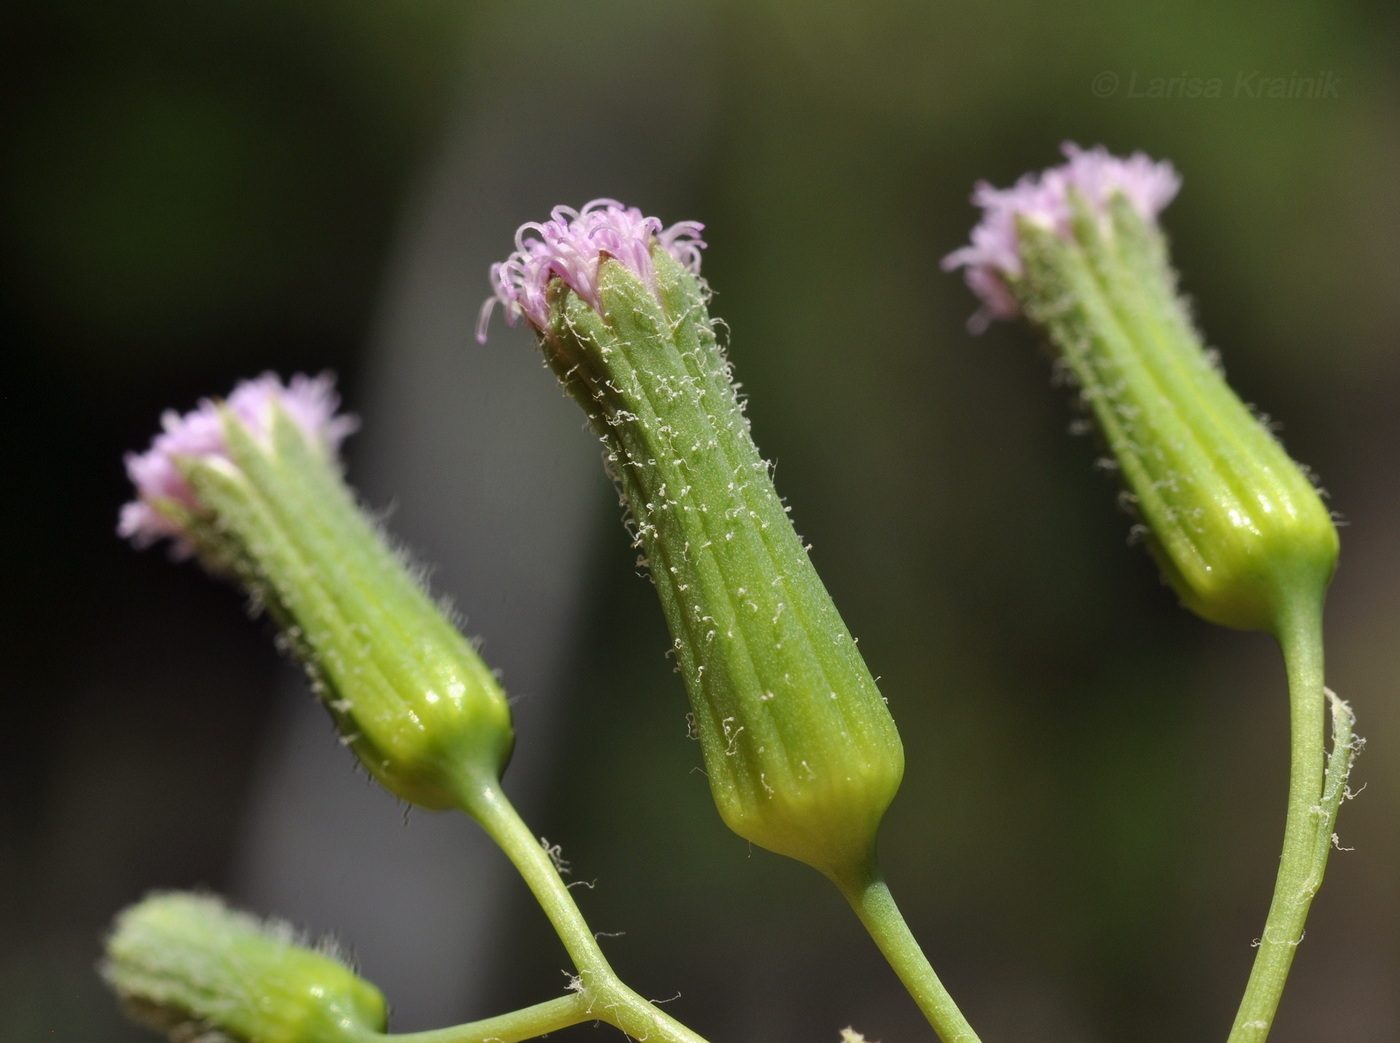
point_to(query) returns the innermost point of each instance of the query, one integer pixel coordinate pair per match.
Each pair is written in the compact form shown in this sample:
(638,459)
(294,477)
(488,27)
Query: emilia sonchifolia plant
(800,749)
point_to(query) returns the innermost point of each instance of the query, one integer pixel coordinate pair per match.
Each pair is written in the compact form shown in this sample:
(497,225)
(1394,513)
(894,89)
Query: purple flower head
(571,245)
(310,402)
(995,252)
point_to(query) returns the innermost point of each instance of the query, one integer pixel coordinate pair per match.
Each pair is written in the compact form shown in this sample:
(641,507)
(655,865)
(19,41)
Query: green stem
(528,1023)
(1314,795)
(603,994)
(870,897)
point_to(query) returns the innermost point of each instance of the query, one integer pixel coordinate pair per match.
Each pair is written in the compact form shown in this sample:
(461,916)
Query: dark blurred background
(1086,838)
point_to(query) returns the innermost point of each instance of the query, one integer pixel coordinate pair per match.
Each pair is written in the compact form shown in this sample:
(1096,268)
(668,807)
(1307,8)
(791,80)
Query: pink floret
(310,402)
(571,245)
(995,253)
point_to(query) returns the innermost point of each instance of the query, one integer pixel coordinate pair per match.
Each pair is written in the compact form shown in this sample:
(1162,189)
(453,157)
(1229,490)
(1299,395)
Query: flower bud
(252,486)
(802,755)
(1235,525)
(187,964)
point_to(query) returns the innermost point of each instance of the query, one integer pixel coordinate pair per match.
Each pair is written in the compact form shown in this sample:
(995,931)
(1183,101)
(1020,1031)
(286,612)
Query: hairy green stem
(526,1023)
(870,897)
(602,994)
(1315,793)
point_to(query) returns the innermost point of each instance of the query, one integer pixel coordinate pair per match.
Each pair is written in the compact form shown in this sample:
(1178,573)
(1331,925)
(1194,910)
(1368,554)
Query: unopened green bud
(801,752)
(1235,525)
(188,965)
(252,486)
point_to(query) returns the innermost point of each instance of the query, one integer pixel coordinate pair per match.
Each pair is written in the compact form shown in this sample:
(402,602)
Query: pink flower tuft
(571,245)
(310,402)
(995,252)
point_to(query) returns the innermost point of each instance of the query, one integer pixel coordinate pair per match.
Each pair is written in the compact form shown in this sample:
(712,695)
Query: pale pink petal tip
(994,252)
(310,402)
(571,245)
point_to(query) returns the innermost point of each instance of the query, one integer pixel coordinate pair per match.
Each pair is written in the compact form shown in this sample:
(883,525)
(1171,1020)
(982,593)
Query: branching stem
(518,1025)
(601,995)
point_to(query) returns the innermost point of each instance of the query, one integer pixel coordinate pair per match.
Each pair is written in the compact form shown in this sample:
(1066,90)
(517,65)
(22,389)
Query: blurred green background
(1087,834)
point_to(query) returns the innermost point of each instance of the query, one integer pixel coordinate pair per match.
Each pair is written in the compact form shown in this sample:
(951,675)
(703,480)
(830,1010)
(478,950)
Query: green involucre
(802,755)
(184,963)
(1235,525)
(408,691)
